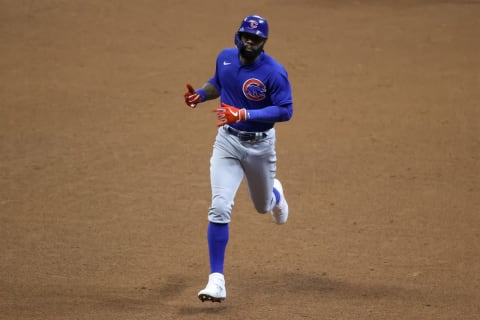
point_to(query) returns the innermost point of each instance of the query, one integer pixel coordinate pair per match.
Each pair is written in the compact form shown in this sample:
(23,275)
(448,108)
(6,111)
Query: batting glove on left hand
(229,114)
(192,98)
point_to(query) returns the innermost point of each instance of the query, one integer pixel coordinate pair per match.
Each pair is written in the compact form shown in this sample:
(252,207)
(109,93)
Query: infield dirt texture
(104,172)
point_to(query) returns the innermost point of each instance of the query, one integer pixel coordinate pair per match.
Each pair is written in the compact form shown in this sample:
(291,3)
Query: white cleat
(215,290)
(280,210)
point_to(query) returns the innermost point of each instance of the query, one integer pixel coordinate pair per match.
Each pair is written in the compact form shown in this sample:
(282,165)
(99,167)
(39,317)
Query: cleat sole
(206,297)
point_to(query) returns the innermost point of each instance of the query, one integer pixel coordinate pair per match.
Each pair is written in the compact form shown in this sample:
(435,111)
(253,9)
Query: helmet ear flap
(238,41)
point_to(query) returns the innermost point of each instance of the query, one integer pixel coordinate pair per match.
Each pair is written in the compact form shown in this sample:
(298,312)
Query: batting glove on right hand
(192,98)
(229,114)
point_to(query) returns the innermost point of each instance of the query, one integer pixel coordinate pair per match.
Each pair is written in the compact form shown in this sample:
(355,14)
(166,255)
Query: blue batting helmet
(255,25)
(252,24)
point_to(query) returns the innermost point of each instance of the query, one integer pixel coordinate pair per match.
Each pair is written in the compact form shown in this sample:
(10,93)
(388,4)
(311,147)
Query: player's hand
(229,114)
(192,98)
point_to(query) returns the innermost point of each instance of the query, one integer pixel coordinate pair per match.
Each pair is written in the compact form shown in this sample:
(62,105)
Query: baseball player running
(255,93)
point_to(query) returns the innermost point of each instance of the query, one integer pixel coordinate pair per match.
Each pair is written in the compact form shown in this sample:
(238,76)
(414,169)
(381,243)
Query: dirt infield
(104,181)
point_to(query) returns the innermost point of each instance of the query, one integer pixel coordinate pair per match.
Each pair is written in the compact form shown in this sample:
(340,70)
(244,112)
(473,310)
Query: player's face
(252,42)
(252,46)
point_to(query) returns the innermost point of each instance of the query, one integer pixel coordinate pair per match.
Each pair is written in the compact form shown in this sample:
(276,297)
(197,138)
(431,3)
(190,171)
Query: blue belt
(245,135)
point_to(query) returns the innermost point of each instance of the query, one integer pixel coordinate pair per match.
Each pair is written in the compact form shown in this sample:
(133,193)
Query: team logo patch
(254,89)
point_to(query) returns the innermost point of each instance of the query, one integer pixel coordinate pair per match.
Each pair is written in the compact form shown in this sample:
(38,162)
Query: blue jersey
(261,85)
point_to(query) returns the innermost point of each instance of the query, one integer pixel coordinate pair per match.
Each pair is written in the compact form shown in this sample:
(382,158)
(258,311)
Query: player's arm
(271,113)
(210,91)
(206,92)
(229,114)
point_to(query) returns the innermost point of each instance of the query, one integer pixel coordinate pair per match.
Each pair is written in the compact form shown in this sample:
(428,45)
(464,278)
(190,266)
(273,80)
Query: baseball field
(104,172)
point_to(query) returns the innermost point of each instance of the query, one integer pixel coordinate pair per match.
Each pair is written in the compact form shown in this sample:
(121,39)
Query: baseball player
(255,93)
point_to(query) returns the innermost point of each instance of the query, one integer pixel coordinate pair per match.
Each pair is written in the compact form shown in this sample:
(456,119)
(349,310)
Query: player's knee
(262,209)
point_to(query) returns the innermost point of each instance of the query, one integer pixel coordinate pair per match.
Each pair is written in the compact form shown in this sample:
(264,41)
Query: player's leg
(260,173)
(260,166)
(265,191)
(226,175)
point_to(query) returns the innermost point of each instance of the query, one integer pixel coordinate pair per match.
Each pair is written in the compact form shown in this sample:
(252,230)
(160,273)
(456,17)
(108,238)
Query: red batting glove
(192,98)
(229,114)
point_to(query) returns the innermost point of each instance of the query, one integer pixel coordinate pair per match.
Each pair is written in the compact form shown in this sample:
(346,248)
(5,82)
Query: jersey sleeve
(215,80)
(280,88)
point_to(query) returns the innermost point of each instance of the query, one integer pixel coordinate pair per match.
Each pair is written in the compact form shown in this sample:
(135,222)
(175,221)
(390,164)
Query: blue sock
(277,195)
(217,236)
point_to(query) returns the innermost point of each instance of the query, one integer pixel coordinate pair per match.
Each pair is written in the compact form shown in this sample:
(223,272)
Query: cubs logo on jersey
(254,89)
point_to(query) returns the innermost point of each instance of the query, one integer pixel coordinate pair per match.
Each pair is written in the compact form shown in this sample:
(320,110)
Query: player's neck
(248,61)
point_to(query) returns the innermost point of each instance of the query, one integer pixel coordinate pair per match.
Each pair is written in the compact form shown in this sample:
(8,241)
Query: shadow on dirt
(325,287)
